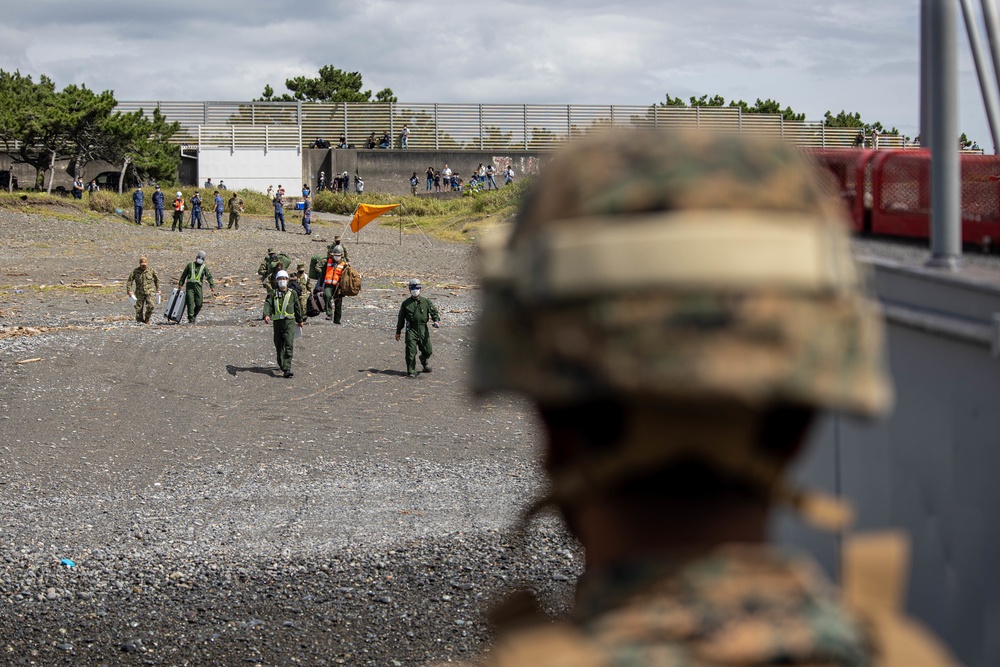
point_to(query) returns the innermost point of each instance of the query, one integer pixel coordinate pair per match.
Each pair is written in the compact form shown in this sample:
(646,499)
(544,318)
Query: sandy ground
(217,512)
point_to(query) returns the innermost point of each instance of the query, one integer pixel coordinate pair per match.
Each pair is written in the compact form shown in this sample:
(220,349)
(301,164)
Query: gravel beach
(166,498)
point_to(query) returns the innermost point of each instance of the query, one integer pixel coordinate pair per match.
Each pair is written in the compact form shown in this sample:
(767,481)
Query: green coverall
(285,312)
(194,274)
(414,313)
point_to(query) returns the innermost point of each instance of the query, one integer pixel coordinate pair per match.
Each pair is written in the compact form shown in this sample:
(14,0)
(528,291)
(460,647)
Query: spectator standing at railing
(875,136)
(413,184)
(859,139)
(430,178)
(491,183)
(404,137)
(321,182)
(437,181)
(446,174)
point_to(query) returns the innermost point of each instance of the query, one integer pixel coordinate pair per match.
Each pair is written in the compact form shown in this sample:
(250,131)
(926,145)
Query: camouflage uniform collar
(738,604)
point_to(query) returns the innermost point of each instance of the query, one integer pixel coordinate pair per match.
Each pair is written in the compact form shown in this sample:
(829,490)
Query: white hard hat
(179,194)
(281,274)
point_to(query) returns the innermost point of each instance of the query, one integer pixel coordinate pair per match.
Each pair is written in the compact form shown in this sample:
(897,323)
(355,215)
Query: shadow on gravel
(270,372)
(385,372)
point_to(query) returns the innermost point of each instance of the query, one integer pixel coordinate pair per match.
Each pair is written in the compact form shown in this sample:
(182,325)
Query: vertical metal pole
(926,57)
(946,214)
(993,33)
(481,142)
(437,131)
(987,85)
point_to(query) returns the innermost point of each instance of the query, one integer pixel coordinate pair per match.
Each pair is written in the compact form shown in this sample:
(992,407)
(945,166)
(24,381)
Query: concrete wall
(250,168)
(932,467)
(390,170)
(25,174)
(382,170)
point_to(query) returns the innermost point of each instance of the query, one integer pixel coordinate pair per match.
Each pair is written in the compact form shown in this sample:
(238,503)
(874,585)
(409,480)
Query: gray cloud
(857,55)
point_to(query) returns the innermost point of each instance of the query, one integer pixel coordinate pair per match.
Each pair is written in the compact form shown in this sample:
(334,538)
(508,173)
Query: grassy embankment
(458,219)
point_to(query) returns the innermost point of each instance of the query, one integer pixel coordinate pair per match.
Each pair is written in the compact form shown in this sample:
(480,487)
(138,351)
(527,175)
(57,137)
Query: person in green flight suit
(282,309)
(190,281)
(414,314)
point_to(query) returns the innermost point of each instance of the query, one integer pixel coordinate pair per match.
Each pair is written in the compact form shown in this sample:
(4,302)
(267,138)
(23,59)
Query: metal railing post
(437,131)
(524,124)
(392,126)
(481,142)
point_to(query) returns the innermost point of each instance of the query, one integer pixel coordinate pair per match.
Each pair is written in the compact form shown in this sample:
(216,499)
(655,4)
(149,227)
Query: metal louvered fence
(461,126)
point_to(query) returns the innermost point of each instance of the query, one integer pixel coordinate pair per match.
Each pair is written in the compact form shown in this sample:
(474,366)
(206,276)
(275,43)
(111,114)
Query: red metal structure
(888,192)
(851,171)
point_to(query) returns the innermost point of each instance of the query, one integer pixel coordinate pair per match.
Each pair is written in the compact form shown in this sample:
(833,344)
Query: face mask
(282,283)
(199,261)
(337,258)
(414,293)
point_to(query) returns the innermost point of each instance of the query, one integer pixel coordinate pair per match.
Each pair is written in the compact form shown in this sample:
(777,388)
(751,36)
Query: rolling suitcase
(175,306)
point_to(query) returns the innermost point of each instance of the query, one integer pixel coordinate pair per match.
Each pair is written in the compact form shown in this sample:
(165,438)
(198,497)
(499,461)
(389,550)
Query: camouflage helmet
(680,266)
(337,250)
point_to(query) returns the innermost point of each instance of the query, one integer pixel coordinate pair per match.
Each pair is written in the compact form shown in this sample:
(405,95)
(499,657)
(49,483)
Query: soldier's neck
(613,534)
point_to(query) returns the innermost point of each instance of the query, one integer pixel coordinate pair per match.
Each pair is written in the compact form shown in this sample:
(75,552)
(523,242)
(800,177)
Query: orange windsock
(365,213)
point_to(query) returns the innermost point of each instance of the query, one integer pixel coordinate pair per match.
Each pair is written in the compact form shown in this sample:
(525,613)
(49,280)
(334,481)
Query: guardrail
(473,126)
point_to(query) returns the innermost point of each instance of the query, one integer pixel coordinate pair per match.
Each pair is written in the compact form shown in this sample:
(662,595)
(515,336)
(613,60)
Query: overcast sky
(813,56)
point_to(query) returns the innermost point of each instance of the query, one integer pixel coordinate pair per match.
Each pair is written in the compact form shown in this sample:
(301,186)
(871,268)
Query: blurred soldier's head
(143,263)
(414,287)
(677,306)
(337,253)
(200,257)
